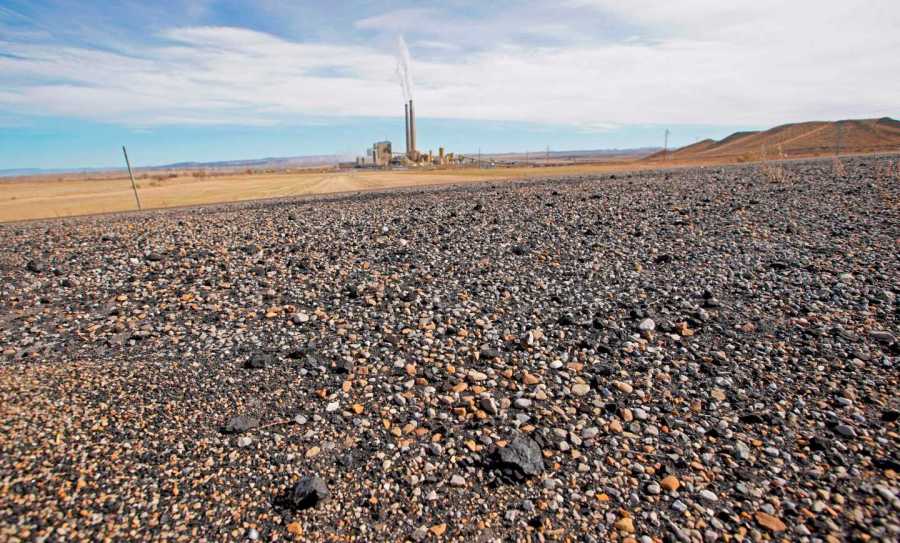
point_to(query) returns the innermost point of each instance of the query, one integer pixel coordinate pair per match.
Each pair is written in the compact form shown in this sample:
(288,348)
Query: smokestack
(406,120)
(412,128)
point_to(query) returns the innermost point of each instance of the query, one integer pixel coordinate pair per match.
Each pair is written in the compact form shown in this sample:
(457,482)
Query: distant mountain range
(261,163)
(311,161)
(798,139)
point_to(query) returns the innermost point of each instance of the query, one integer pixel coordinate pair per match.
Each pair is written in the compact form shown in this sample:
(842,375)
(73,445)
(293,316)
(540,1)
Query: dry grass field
(36,198)
(30,198)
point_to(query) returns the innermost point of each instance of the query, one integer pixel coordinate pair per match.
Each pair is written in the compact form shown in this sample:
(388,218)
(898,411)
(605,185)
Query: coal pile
(693,355)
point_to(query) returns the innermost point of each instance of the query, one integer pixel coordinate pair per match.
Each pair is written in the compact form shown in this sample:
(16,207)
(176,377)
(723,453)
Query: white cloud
(738,62)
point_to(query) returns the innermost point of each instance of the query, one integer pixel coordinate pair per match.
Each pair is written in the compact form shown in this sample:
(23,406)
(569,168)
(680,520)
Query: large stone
(309,492)
(521,459)
(240,424)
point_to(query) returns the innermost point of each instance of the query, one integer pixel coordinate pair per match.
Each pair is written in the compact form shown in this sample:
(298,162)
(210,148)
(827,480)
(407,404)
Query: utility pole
(131,175)
(548,155)
(666,146)
(479,158)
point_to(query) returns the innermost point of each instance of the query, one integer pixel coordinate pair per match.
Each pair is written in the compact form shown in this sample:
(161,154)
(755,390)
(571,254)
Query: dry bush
(199,173)
(887,171)
(838,167)
(774,171)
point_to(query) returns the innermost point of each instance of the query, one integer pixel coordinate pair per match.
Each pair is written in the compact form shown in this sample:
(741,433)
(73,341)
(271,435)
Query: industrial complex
(382,155)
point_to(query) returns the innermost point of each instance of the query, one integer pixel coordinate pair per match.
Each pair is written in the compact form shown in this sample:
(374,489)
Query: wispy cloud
(690,62)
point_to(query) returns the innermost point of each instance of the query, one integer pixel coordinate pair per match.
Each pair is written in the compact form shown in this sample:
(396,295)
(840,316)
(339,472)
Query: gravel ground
(698,355)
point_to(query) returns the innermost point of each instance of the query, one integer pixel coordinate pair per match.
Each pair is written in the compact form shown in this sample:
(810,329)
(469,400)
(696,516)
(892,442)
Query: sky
(203,80)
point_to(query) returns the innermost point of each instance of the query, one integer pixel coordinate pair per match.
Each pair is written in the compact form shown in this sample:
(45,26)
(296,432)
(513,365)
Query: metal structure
(411,132)
(131,175)
(381,153)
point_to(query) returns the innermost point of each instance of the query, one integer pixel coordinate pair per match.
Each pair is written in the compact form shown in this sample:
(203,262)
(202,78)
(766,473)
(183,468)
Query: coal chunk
(520,459)
(240,424)
(259,361)
(309,492)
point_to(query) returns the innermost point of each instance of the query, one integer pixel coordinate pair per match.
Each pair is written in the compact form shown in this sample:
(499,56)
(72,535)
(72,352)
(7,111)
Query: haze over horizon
(225,80)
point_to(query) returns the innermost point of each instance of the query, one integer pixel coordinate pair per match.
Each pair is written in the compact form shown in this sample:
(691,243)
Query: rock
(342,366)
(566,319)
(153,257)
(521,458)
(882,336)
(244,441)
(310,491)
(741,451)
(625,524)
(36,266)
(240,424)
(624,387)
(522,403)
(670,483)
(259,361)
(489,405)
(457,480)
(845,431)
(580,389)
(647,325)
(489,354)
(708,496)
(769,522)
(653,489)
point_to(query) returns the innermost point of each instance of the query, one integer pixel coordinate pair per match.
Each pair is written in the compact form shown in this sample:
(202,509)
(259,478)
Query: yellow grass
(24,199)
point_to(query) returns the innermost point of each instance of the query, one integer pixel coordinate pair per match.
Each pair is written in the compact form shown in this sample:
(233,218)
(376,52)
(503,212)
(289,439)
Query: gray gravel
(695,355)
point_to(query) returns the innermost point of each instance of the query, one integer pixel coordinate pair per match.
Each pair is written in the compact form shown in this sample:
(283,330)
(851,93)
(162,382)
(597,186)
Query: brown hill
(799,139)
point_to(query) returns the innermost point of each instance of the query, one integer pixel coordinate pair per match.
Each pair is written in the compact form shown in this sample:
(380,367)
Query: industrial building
(381,154)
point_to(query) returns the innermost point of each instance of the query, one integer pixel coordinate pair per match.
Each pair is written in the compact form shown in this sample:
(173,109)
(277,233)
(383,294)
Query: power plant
(380,155)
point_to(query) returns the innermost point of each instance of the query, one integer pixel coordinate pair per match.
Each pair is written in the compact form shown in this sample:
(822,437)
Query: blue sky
(180,80)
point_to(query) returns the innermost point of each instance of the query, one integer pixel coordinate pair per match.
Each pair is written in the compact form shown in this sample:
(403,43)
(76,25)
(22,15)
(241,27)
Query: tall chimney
(406,121)
(412,128)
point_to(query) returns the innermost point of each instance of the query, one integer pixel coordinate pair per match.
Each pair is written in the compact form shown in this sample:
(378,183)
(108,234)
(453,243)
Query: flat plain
(50,197)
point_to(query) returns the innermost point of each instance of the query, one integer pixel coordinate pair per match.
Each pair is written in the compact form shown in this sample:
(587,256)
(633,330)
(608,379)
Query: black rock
(519,250)
(153,257)
(521,459)
(567,319)
(752,418)
(886,464)
(890,415)
(342,366)
(817,443)
(35,266)
(307,493)
(240,424)
(259,361)
(489,353)
(662,259)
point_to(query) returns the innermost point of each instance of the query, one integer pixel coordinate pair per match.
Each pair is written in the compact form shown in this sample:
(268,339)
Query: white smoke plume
(403,68)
